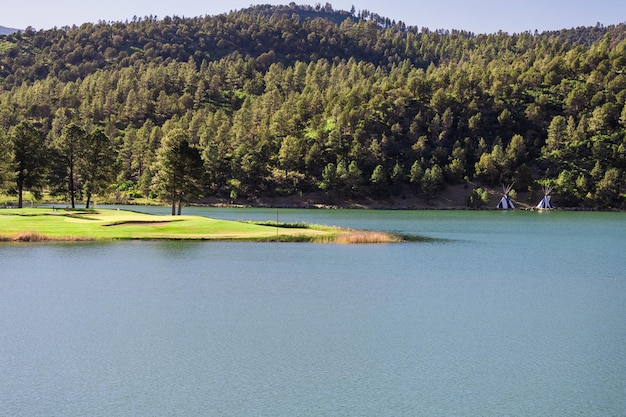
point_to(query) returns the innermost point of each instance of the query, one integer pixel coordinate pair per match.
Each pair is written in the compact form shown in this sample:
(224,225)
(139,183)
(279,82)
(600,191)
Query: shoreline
(451,198)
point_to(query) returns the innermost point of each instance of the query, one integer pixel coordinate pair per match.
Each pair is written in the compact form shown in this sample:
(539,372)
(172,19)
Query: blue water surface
(506,313)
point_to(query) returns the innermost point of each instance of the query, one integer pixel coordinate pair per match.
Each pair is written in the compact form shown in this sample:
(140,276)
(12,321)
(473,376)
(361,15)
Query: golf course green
(48,224)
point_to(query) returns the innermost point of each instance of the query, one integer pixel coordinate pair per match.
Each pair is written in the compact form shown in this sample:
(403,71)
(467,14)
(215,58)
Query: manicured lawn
(32,224)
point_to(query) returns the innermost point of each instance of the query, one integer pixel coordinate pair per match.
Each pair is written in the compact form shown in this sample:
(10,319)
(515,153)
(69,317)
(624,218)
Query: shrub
(478,198)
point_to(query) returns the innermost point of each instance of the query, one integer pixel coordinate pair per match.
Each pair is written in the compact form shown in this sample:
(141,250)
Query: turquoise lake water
(508,314)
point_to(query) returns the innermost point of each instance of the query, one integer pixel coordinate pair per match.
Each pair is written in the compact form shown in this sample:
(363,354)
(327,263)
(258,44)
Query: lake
(505,314)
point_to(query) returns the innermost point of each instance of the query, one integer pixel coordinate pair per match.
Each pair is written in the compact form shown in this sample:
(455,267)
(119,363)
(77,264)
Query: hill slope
(295,99)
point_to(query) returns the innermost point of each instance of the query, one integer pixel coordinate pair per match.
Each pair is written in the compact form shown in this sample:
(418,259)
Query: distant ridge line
(7,31)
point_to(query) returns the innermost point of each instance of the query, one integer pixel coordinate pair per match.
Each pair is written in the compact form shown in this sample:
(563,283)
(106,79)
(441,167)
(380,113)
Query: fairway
(95,224)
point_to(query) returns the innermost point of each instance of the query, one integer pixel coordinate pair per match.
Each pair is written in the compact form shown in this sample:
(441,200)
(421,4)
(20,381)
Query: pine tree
(177,170)
(31,159)
(69,147)
(7,164)
(97,164)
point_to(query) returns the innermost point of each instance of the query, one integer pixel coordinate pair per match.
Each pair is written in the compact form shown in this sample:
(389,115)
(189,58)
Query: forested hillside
(279,100)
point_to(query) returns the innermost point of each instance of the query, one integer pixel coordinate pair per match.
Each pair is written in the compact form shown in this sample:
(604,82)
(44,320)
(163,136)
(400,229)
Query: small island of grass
(39,224)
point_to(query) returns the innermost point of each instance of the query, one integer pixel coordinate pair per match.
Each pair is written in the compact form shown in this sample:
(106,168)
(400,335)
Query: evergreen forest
(290,100)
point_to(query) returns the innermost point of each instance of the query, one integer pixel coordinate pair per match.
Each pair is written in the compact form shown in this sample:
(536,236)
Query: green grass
(35,224)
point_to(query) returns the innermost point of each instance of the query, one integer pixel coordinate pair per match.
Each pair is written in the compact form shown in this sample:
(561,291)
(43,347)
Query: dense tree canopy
(290,99)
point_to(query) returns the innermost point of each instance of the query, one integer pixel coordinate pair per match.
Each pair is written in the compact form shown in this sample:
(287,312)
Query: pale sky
(479,16)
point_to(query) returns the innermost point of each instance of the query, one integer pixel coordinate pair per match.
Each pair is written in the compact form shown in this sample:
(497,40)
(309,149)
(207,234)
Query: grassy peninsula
(39,224)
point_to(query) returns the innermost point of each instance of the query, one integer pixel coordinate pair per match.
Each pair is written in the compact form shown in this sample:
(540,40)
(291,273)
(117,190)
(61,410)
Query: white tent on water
(545,203)
(505,202)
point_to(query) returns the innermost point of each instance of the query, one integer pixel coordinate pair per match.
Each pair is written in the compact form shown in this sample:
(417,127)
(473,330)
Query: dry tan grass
(31,237)
(356,237)
(38,237)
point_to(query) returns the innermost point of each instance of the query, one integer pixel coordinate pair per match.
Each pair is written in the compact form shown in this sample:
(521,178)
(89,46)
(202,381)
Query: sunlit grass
(35,225)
